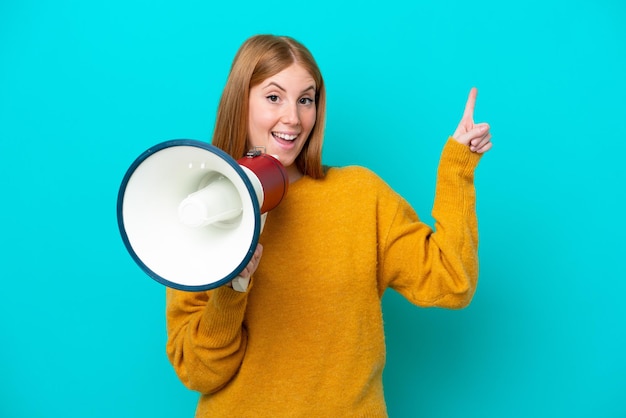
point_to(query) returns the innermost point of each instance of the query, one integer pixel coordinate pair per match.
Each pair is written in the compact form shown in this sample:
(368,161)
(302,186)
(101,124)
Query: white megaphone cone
(191,216)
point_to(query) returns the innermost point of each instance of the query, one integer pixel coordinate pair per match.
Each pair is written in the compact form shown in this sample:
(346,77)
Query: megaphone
(190,215)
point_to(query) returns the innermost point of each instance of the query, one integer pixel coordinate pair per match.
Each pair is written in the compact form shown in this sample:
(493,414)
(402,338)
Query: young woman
(306,338)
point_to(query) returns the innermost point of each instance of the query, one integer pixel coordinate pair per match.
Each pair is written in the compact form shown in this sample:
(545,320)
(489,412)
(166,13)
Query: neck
(293,173)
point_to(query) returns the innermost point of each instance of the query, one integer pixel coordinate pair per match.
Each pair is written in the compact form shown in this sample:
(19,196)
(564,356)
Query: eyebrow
(272,83)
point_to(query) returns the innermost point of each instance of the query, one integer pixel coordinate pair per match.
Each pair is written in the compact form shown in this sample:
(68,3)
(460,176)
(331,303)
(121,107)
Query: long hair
(258,58)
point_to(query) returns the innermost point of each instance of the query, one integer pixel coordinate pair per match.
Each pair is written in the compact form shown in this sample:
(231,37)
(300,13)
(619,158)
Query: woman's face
(282,114)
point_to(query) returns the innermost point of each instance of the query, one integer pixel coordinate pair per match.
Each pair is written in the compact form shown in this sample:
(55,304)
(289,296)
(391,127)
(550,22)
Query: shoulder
(353,174)
(358,181)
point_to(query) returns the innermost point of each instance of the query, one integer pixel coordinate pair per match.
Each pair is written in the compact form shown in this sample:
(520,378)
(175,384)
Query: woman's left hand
(476,136)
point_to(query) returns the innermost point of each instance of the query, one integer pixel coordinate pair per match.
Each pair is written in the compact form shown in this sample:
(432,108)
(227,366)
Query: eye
(306,101)
(272,98)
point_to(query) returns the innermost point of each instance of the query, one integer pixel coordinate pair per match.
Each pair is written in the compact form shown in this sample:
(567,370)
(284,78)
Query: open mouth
(284,137)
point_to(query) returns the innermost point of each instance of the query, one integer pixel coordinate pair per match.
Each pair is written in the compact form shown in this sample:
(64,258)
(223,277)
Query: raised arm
(439,267)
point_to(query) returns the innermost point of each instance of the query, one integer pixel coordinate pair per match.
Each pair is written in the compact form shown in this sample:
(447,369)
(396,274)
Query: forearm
(455,240)
(438,267)
(206,339)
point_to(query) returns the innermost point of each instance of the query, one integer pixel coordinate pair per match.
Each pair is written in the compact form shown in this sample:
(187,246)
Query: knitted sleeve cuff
(224,313)
(459,158)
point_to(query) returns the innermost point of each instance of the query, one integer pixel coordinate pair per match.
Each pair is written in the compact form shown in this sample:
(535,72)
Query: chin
(285,158)
(287,162)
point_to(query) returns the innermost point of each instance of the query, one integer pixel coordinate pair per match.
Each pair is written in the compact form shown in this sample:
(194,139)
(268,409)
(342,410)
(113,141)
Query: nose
(291,114)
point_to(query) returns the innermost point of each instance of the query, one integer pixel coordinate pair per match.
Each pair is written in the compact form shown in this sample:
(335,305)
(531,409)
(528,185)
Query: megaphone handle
(263,218)
(240,284)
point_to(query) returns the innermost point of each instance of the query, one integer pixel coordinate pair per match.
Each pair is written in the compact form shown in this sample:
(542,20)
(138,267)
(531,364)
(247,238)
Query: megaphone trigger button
(255,152)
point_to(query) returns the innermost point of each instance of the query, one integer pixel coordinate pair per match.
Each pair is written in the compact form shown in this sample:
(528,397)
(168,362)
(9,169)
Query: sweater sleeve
(206,340)
(436,267)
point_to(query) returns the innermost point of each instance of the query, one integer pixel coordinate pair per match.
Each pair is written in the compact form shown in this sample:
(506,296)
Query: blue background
(85,87)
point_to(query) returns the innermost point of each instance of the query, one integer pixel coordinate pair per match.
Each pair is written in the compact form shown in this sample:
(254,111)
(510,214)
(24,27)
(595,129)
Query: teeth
(285,136)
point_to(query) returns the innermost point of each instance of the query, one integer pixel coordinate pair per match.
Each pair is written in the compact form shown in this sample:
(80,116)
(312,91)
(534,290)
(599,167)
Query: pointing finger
(468,115)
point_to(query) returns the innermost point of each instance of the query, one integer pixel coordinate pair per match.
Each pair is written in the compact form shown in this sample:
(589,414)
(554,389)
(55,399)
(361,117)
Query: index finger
(471,103)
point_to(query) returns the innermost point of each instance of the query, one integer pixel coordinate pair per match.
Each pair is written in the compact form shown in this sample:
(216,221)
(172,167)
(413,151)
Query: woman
(306,339)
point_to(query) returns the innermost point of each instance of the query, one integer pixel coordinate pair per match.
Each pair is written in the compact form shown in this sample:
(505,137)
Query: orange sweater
(307,338)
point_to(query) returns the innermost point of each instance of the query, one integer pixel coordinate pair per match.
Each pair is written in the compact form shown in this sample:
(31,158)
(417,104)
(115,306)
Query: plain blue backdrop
(85,87)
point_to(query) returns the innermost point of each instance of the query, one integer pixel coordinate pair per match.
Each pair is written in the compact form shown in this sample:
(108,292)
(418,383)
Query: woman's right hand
(241,282)
(254,262)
